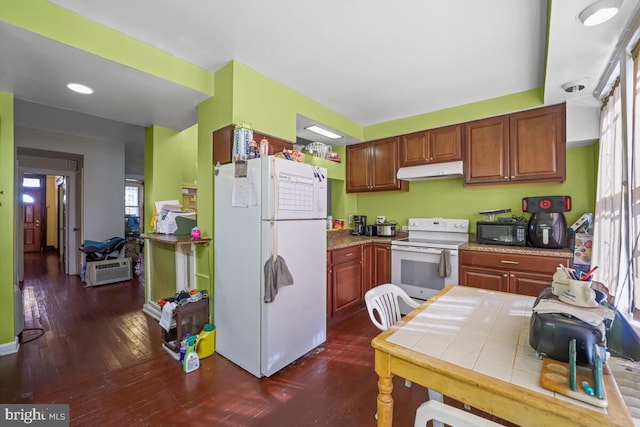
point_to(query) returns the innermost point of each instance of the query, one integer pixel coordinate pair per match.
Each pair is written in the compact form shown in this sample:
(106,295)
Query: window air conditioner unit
(108,271)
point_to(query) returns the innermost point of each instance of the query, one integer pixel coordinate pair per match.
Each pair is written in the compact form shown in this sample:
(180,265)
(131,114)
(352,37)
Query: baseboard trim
(9,347)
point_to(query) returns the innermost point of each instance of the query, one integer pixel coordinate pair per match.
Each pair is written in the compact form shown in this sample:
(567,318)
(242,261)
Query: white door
(295,322)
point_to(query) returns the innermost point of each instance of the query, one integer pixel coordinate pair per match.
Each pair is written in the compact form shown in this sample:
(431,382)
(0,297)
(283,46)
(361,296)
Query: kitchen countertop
(342,238)
(518,250)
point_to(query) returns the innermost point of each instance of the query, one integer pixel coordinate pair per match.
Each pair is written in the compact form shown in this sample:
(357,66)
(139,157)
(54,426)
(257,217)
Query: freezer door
(295,322)
(293,190)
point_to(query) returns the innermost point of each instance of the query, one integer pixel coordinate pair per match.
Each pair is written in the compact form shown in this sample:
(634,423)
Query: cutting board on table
(554,376)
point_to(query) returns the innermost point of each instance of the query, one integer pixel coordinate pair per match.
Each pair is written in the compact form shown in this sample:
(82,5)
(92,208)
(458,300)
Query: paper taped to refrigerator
(244,192)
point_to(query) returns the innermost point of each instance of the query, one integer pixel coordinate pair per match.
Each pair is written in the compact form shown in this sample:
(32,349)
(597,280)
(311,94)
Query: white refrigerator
(279,208)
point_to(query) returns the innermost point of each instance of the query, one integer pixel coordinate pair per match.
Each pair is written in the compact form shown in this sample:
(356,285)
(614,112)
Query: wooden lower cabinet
(354,270)
(382,263)
(368,267)
(504,272)
(329,286)
(346,278)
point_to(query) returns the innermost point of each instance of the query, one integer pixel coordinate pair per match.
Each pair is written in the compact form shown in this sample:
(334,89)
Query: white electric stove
(426,261)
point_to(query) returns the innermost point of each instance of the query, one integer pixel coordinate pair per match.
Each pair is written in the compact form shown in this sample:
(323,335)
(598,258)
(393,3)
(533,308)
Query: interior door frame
(71,239)
(39,194)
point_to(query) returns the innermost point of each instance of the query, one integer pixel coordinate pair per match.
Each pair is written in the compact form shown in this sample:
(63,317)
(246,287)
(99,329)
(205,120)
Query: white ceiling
(369,60)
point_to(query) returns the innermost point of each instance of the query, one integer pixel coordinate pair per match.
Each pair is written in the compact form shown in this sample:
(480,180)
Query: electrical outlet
(350,219)
(405,228)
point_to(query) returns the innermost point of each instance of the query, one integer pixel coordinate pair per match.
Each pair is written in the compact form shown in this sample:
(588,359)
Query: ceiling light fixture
(323,132)
(599,12)
(80,88)
(574,86)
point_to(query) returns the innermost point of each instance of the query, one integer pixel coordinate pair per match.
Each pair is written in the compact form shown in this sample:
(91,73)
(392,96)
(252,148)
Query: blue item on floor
(99,251)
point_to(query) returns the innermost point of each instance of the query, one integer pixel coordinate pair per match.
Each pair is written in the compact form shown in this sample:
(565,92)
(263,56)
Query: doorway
(32,213)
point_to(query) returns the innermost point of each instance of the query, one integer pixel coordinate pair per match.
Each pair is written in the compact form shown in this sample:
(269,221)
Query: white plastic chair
(432,410)
(383,299)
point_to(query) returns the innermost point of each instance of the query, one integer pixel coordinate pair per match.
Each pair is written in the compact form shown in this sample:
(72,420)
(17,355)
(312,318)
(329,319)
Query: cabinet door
(537,144)
(528,284)
(486,151)
(222,145)
(358,168)
(414,149)
(278,146)
(382,256)
(385,158)
(329,285)
(368,268)
(445,144)
(347,286)
(484,278)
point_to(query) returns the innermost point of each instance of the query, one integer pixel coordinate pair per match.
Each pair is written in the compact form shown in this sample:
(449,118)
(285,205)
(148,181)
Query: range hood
(434,171)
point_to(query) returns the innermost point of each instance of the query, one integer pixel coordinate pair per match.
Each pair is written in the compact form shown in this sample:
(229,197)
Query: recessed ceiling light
(80,88)
(599,12)
(323,132)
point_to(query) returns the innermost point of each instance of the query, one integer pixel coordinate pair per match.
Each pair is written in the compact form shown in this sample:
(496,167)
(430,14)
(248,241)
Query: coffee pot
(359,225)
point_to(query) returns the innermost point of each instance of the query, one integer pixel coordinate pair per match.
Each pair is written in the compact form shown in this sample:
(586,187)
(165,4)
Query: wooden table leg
(385,387)
(385,402)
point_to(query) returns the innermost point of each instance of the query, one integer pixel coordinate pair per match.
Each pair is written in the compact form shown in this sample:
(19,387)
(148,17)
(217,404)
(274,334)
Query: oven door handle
(422,250)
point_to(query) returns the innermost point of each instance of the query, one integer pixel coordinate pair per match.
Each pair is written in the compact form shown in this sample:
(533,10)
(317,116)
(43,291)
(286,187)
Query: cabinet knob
(513,176)
(513,275)
(505,275)
(506,177)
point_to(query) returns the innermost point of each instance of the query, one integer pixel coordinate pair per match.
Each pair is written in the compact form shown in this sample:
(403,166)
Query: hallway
(101,354)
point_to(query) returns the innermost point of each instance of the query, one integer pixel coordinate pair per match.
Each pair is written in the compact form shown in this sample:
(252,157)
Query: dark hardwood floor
(102,355)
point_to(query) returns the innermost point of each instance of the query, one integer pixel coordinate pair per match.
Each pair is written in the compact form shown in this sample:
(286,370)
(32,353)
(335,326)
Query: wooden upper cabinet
(276,145)
(432,146)
(358,168)
(528,146)
(415,149)
(538,144)
(445,144)
(223,144)
(372,166)
(486,150)
(385,157)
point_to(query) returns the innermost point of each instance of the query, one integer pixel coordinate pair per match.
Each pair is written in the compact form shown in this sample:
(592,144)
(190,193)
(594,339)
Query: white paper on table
(168,205)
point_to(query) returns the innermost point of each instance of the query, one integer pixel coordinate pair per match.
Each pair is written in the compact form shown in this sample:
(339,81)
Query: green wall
(188,141)
(459,114)
(7,228)
(170,161)
(44,18)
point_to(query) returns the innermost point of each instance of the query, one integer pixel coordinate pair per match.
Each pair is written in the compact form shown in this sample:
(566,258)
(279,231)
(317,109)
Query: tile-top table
(473,346)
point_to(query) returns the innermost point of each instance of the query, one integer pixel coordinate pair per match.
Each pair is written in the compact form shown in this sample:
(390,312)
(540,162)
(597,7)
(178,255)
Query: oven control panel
(439,224)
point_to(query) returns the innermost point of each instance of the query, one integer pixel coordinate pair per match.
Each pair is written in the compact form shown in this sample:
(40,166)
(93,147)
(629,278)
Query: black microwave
(502,233)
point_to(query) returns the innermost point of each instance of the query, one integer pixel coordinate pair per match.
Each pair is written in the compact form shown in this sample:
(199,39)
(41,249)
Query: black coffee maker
(359,225)
(547,226)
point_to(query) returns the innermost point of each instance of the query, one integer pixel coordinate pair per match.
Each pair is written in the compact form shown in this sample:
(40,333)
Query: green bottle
(191,360)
